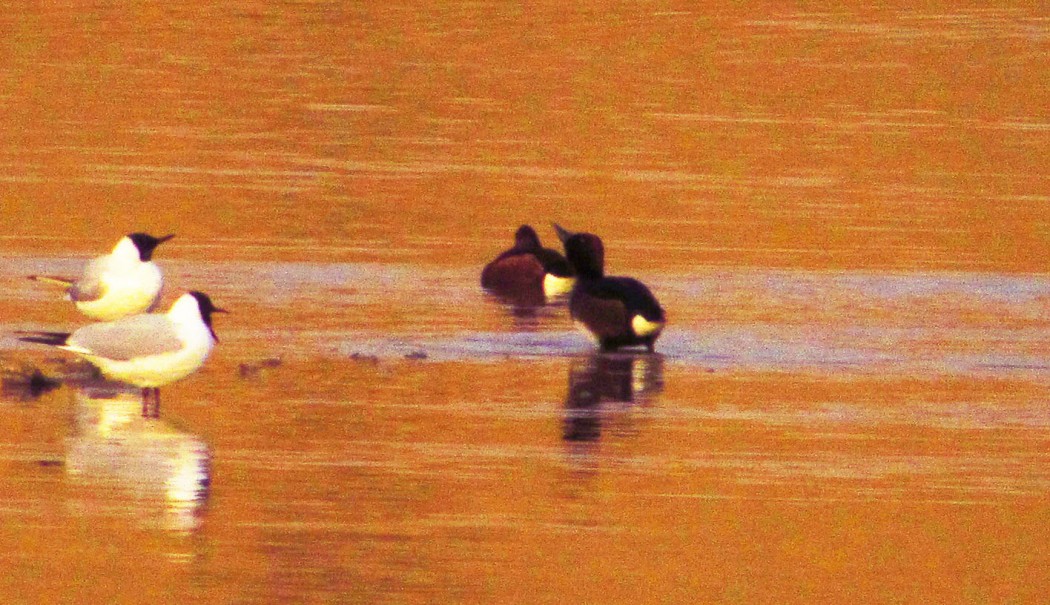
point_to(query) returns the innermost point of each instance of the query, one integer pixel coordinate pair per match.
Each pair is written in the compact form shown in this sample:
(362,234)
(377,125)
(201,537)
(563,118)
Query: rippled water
(844,213)
(449,444)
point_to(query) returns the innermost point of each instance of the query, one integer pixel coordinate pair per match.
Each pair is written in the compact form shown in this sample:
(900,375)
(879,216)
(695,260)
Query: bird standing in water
(148,350)
(615,311)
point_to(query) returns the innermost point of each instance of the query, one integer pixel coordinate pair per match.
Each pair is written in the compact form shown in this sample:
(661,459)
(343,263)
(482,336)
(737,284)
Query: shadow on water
(604,388)
(162,471)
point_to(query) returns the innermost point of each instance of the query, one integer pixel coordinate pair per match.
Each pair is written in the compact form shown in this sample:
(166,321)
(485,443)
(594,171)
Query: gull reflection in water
(603,388)
(160,472)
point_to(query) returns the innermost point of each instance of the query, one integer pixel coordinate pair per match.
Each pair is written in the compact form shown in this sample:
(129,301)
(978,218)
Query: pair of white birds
(129,344)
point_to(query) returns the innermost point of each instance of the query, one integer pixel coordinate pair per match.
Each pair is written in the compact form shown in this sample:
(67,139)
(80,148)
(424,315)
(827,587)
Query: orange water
(844,212)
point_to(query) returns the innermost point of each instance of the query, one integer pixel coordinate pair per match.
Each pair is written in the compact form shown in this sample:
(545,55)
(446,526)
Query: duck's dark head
(146,244)
(525,238)
(586,254)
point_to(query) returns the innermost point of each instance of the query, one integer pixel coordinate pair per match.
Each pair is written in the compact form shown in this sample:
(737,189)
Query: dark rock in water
(26,384)
(361,357)
(255,368)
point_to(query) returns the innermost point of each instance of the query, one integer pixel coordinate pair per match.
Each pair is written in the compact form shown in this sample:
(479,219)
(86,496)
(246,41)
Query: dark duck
(528,272)
(615,311)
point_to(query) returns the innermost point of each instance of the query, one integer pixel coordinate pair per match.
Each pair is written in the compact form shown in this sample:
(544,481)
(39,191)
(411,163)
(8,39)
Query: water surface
(844,212)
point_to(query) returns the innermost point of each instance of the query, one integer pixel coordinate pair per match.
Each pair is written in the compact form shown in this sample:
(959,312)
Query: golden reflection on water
(162,472)
(436,452)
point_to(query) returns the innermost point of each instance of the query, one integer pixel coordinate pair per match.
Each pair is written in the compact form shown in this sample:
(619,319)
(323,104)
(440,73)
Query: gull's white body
(123,283)
(148,350)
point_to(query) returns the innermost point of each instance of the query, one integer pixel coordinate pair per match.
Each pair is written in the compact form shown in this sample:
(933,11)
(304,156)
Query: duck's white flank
(557,286)
(644,327)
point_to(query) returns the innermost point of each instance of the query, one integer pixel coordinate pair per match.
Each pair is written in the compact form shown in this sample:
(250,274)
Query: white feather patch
(644,327)
(556,286)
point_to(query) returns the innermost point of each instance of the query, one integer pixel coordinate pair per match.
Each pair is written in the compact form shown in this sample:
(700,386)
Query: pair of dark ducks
(616,311)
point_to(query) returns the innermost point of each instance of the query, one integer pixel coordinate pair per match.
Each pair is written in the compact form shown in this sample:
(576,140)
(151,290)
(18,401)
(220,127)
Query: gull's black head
(146,244)
(206,308)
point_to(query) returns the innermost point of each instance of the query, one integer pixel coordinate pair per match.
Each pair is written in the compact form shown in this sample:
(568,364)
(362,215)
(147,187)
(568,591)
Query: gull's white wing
(128,338)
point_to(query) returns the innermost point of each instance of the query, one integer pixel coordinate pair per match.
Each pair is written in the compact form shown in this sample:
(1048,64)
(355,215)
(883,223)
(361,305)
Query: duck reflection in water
(161,473)
(607,385)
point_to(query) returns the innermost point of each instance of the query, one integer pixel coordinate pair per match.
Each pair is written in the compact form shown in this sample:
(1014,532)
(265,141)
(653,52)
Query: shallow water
(844,213)
(455,453)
